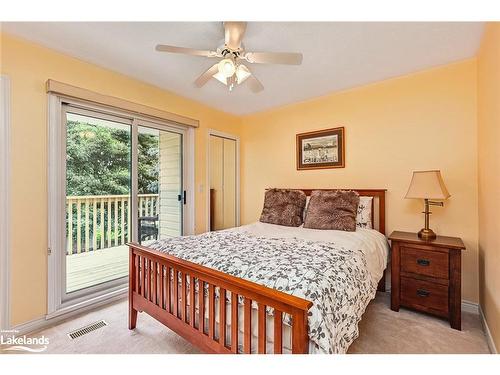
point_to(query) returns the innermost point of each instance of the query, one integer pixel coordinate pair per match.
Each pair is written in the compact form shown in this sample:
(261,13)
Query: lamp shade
(427,185)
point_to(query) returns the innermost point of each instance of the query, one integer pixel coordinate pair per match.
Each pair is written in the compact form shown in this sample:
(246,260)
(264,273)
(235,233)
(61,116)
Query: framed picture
(321,149)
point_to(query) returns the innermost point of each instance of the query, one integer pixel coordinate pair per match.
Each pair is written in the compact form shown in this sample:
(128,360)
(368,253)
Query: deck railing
(96,222)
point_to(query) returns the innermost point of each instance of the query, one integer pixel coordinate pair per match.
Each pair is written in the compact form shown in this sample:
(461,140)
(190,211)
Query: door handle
(182,197)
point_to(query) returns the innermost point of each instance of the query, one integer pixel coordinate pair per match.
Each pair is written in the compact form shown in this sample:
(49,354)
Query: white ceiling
(337,55)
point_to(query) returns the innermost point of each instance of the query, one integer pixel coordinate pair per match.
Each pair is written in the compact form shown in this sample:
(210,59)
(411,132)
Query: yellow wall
(425,120)
(488,73)
(29,66)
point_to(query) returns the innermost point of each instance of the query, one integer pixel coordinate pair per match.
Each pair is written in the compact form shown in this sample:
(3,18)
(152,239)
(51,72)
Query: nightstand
(426,275)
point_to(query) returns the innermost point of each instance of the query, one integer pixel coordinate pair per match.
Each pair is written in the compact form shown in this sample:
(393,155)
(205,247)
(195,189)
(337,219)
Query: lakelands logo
(9,342)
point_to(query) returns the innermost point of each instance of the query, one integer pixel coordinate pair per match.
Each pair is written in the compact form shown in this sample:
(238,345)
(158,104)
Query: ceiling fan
(230,69)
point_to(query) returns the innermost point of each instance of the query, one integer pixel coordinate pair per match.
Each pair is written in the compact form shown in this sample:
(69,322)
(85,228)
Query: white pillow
(364,215)
(308,198)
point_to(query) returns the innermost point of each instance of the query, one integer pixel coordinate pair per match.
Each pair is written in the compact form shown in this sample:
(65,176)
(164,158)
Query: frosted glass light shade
(427,185)
(220,77)
(226,67)
(242,73)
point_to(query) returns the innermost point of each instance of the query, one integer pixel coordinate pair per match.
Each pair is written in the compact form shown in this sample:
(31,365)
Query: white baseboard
(487,332)
(45,322)
(470,307)
(31,326)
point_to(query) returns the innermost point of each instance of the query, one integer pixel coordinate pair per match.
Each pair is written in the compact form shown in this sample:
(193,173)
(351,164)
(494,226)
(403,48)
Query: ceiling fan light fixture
(242,73)
(229,71)
(226,67)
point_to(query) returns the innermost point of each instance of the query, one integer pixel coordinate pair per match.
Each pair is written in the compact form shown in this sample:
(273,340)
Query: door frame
(217,133)
(57,304)
(5,202)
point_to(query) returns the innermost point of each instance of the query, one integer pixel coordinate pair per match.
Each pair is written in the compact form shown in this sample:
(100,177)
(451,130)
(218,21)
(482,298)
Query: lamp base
(426,234)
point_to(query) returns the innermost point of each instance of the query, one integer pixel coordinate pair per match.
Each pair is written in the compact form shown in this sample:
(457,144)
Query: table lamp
(427,185)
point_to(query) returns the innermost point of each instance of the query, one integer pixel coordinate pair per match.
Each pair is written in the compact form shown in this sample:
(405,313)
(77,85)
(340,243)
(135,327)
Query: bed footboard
(183,309)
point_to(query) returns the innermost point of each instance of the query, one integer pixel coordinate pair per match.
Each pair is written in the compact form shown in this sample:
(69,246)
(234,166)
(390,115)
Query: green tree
(98,160)
(148,167)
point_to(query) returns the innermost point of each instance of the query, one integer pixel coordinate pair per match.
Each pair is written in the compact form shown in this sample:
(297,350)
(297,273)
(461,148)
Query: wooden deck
(96,267)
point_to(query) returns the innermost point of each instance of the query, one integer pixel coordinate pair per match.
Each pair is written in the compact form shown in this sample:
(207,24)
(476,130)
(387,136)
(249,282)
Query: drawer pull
(423,262)
(423,293)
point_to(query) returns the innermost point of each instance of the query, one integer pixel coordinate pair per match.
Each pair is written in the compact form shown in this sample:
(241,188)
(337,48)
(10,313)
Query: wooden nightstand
(426,275)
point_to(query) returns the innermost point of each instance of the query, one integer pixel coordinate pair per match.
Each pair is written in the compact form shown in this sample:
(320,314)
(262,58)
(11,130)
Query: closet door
(223,171)
(229,180)
(216,182)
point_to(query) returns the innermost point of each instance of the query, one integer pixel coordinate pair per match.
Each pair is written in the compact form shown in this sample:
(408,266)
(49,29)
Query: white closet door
(216,181)
(229,165)
(223,171)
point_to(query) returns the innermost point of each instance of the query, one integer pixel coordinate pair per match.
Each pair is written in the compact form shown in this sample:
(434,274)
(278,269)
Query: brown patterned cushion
(283,207)
(332,209)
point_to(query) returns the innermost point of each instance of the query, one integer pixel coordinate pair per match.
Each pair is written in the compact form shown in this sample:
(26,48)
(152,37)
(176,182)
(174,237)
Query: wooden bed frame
(151,291)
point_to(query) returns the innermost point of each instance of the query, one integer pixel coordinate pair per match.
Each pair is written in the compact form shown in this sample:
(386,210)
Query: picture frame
(321,149)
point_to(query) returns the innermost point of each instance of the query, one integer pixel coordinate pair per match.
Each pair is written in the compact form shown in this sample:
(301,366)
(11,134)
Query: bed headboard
(378,204)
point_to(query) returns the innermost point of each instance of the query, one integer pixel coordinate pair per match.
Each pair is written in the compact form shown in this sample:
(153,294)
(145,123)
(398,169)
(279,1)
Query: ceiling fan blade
(186,51)
(233,32)
(287,58)
(205,76)
(254,84)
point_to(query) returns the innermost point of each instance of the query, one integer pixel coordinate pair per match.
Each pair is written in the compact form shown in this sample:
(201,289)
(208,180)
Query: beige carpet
(381,331)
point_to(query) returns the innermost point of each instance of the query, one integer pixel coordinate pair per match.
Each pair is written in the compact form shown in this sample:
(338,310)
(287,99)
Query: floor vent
(87,329)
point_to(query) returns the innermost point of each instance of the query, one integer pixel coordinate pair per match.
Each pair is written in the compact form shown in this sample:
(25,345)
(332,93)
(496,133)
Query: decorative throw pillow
(364,216)
(283,207)
(332,209)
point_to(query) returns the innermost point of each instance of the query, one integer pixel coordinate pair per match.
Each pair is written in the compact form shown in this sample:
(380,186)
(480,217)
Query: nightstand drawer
(424,295)
(423,262)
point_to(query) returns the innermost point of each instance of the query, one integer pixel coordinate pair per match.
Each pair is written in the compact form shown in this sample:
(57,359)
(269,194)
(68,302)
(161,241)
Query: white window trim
(217,133)
(4,202)
(56,306)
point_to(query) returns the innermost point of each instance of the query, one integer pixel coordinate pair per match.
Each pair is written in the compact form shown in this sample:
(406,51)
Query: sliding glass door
(98,192)
(123,182)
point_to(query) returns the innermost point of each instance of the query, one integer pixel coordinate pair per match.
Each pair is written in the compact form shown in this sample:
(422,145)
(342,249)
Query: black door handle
(182,197)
